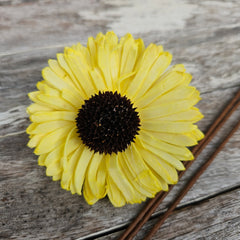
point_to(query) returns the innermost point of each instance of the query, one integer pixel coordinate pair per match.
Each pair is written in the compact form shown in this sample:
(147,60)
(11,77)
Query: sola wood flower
(109,119)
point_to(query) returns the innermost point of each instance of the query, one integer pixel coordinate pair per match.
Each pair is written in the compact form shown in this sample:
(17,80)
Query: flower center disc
(107,122)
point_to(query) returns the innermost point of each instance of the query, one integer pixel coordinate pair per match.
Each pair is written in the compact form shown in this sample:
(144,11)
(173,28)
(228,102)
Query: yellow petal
(77,63)
(129,55)
(39,117)
(176,96)
(35,139)
(111,39)
(131,175)
(54,169)
(164,170)
(104,58)
(96,177)
(187,79)
(52,140)
(167,157)
(47,127)
(98,79)
(165,83)
(117,175)
(55,102)
(55,156)
(71,77)
(69,170)
(45,88)
(31,127)
(73,141)
(163,183)
(33,96)
(81,168)
(41,159)
(167,127)
(76,100)
(52,79)
(141,50)
(72,188)
(158,67)
(140,191)
(124,81)
(191,115)
(161,110)
(84,53)
(91,45)
(88,195)
(35,107)
(55,66)
(150,55)
(177,139)
(114,194)
(150,142)
(180,92)
(57,177)
(141,172)
(115,62)
(197,134)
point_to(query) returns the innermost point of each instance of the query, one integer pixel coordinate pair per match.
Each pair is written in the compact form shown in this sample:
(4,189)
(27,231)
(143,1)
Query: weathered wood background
(204,35)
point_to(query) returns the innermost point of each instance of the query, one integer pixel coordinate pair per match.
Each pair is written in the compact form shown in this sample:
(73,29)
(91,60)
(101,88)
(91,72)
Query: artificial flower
(114,119)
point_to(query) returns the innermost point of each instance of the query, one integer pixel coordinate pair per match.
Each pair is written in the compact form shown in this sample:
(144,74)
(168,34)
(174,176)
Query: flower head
(113,119)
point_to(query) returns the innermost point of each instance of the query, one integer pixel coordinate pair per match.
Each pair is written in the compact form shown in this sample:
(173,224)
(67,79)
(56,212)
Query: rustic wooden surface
(204,35)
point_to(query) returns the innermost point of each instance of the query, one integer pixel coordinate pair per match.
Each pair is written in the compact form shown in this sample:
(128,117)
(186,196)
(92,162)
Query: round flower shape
(114,119)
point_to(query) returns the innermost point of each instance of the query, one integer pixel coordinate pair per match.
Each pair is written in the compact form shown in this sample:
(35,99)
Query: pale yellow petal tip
(45,71)
(51,61)
(198,134)
(128,35)
(40,163)
(191,157)
(28,110)
(90,200)
(173,179)
(30,144)
(201,136)
(169,56)
(36,151)
(111,35)
(180,167)
(56,178)
(68,51)
(118,204)
(166,189)
(179,68)
(200,116)
(29,129)
(32,95)
(174,182)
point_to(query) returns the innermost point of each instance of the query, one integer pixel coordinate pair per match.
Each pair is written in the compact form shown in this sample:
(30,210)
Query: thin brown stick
(152,205)
(191,183)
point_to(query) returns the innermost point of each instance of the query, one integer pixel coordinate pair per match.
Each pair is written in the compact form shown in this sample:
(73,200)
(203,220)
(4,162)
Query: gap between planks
(155,215)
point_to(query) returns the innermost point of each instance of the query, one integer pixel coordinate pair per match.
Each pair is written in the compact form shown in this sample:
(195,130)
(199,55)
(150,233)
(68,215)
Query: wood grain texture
(220,222)
(202,36)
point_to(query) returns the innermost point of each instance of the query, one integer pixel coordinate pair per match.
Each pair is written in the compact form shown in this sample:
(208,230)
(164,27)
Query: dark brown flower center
(107,122)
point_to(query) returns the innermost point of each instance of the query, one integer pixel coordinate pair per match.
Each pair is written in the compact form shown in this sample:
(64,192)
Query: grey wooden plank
(35,24)
(206,40)
(211,219)
(32,204)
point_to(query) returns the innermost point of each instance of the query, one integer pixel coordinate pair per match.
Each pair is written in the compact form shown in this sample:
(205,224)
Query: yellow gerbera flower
(108,119)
